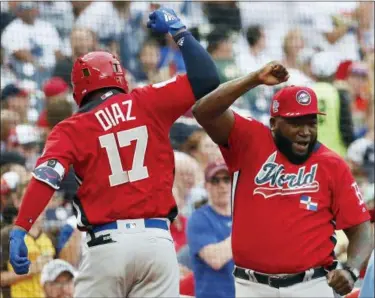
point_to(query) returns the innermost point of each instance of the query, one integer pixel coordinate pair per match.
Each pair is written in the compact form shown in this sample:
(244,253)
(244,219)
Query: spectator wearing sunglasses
(209,240)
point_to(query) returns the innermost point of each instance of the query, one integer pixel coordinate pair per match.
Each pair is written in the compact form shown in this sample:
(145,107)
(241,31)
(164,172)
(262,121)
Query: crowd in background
(328,46)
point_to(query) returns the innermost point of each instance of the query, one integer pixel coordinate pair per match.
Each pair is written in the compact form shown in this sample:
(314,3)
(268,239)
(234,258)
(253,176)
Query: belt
(148,223)
(277,281)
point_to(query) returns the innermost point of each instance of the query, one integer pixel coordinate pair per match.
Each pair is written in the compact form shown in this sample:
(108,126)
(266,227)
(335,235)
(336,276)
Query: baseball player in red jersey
(289,194)
(118,144)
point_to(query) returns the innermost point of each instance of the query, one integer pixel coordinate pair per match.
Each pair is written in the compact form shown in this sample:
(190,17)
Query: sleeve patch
(50,172)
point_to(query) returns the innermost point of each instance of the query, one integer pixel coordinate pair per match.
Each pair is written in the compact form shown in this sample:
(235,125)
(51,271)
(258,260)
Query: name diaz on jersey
(113,115)
(273,181)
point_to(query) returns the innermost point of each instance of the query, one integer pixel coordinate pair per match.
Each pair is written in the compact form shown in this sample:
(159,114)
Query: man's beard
(285,147)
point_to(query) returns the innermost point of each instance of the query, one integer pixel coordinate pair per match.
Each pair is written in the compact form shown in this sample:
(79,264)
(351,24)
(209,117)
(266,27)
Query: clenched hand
(341,281)
(272,73)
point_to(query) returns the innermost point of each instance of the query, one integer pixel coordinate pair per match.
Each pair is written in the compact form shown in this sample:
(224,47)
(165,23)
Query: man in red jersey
(118,143)
(289,194)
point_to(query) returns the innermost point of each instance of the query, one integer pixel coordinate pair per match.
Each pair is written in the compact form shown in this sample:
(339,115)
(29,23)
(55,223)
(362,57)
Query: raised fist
(272,73)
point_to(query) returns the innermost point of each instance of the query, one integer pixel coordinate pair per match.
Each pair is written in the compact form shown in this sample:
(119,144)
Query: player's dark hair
(253,34)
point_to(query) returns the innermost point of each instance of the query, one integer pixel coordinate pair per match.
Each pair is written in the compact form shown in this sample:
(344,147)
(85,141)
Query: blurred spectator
(34,52)
(132,34)
(258,103)
(7,13)
(40,252)
(149,57)
(82,41)
(188,177)
(59,14)
(297,59)
(9,184)
(358,80)
(17,100)
(55,89)
(26,140)
(78,7)
(223,13)
(303,68)
(57,279)
(206,152)
(8,120)
(336,128)
(361,157)
(69,241)
(273,18)
(178,226)
(170,55)
(183,136)
(57,111)
(252,56)
(8,158)
(14,177)
(209,239)
(190,12)
(329,26)
(220,46)
(7,74)
(368,283)
(102,17)
(365,17)
(292,46)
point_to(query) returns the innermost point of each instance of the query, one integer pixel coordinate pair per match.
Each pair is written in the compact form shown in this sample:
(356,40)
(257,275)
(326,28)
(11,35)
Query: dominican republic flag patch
(307,203)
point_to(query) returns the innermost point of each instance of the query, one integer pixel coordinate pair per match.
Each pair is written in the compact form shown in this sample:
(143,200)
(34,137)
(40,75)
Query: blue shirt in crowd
(206,226)
(367,290)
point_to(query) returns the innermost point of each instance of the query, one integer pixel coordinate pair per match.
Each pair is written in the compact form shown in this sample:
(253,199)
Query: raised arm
(212,110)
(200,68)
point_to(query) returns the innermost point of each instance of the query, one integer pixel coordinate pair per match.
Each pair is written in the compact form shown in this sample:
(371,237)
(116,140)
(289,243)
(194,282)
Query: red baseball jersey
(285,215)
(119,147)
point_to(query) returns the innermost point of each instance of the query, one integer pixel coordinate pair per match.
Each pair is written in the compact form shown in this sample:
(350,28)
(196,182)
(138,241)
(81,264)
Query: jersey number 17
(124,137)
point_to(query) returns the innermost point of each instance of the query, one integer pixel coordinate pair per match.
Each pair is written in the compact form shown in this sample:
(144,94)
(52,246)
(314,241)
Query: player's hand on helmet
(341,281)
(18,252)
(272,73)
(165,20)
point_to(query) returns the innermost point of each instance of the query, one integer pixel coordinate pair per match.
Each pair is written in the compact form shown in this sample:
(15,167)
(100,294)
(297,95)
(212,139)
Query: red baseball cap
(213,168)
(55,86)
(295,101)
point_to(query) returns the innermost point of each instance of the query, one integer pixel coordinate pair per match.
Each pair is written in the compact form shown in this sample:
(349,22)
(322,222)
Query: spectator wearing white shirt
(31,43)
(102,17)
(251,56)
(273,17)
(328,26)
